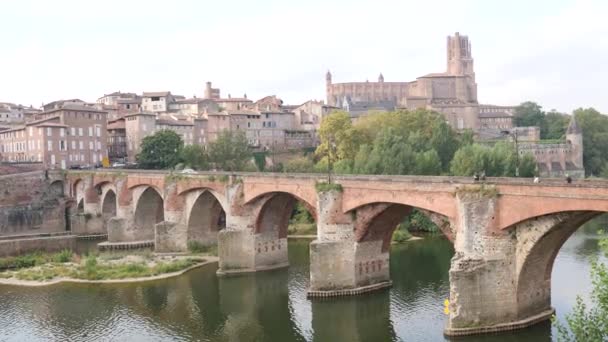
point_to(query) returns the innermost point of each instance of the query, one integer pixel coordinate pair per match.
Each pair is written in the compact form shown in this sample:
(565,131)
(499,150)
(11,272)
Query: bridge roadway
(506,231)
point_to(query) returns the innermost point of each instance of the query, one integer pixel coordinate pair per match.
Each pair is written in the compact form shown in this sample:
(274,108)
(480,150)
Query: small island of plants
(95,267)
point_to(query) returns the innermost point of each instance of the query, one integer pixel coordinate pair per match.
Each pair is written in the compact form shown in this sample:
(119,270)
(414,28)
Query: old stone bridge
(506,232)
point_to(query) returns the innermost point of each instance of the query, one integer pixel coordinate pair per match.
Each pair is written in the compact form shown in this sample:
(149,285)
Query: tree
(530,114)
(160,151)
(230,151)
(469,160)
(337,129)
(195,156)
(589,324)
(300,164)
(556,124)
(595,139)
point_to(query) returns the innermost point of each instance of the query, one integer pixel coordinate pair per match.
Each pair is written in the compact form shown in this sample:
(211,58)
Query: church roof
(573,127)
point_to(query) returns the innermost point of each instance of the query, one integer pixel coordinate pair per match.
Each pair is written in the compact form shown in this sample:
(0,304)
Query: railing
(368,178)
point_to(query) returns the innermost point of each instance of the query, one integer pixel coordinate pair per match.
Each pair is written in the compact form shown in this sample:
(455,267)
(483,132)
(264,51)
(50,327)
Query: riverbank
(99,269)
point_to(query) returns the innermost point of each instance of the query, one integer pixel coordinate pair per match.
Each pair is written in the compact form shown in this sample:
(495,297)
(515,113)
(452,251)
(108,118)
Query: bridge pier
(339,265)
(253,241)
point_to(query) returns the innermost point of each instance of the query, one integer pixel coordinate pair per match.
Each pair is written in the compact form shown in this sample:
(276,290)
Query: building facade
(71,135)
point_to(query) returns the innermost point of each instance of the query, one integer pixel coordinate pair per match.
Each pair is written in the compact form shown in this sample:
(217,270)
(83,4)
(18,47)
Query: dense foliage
(230,151)
(586,323)
(416,142)
(160,151)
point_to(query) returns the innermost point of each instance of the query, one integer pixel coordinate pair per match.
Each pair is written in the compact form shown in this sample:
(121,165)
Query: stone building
(117,140)
(561,158)
(140,125)
(156,102)
(453,92)
(13,114)
(495,118)
(70,135)
(308,116)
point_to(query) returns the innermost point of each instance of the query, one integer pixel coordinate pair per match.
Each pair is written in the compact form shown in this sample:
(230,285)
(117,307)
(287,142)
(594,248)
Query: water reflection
(272,306)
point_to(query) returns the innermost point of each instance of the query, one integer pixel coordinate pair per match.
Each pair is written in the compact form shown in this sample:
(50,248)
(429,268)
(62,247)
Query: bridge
(506,232)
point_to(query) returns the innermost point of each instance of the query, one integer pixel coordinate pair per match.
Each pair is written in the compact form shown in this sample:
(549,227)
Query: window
(90,131)
(90,145)
(73,145)
(62,132)
(73,130)
(81,145)
(31,130)
(49,144)
(98,131)
(80,131)
(48,131)
(61,145)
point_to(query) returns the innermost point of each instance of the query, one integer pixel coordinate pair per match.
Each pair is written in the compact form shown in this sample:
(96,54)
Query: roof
(193,100)
(116,124)
(495,115)
(168,122)
(51,124)
(233,99)
(35,122)
(137,100)
(156,93)
(75,107)
(140,113)
(242,112)
(573,127)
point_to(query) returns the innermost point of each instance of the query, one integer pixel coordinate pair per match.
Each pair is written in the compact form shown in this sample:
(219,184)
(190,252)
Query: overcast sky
(554,52)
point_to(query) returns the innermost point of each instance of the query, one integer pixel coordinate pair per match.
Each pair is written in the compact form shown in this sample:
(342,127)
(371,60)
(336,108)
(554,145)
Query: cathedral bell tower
(460,60)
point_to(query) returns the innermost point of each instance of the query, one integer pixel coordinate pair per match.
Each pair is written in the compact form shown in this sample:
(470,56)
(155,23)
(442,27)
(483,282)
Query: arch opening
(57,188)
(148,212)
(539,241)
(206,219)
(278,211)
(80,208)
(393,221)
(108,207)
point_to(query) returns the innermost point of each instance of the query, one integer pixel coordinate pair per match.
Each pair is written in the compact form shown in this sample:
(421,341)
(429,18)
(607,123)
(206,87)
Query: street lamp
(514,135)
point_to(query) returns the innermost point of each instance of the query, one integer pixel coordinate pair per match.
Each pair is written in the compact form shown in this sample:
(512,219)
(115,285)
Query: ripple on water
(267,307)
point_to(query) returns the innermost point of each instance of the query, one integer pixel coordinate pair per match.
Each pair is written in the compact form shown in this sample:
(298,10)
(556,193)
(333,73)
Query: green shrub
(90,266)
(401,235)
(197,247)
(63,256)
(326,187)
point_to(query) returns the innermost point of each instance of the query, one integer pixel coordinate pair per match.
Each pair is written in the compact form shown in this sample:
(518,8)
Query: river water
(272,306)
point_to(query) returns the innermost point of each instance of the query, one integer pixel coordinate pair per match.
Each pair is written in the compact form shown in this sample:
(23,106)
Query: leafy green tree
(556,124)
(589,323)
(427,163)
(300,164)
(230,151)
(336,129)
(195,156)
(259,158)
(595,139)
(161,150)
(530,114)
(527,166)
(469,160)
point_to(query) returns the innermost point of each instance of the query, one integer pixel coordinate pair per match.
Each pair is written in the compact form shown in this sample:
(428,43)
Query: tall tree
(195,156)
(595,139)
(530,114)
(230,151)
(160,151)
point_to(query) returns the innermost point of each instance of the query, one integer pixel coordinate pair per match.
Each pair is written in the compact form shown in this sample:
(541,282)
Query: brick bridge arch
(204,214)
(148,210)
(538,242)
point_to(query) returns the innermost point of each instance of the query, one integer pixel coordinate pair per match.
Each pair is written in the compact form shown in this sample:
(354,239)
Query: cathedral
(453,92)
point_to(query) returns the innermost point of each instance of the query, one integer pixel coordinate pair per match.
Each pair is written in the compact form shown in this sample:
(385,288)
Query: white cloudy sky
(554,52)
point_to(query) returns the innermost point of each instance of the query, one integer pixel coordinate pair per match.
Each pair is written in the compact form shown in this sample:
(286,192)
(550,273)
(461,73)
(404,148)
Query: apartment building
(140,125)
(71,135)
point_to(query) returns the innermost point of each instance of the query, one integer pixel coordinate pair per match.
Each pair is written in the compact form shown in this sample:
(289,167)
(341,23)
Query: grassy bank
(104,266)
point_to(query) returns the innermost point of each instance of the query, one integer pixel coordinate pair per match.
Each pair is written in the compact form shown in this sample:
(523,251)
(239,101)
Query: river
(272,306)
